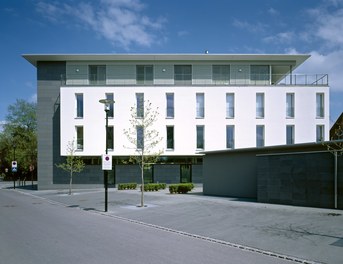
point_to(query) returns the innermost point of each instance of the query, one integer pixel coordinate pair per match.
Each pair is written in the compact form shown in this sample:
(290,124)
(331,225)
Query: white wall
(185,122)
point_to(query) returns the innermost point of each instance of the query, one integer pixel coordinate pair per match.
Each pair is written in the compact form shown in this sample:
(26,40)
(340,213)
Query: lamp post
(107,103)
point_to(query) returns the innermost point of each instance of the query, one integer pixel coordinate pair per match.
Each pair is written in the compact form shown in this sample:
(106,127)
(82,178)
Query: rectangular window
(140,137)
(221,74)
(259,136)
(140,105)
(320,105)
(200,105)
(320,133)
(109,96)
(79,138)
(110,137)
(230,105)
(290,105)
(170,105)
(144,74)
(97,74)
(289,134)
(183,74)
(170,137)
(79,105)
(260,105)
(200,137)
(259,73)
(230,137)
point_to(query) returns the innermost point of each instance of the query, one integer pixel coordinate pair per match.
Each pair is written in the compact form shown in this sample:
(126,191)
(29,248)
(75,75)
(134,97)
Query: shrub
(127,186)
(181,188)
(154,186)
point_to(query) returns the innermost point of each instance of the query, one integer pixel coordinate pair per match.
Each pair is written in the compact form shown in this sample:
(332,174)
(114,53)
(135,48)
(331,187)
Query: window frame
(290,134)
(221,73)
(230,110)
(79,105)
(183,74)
(260,137)
(260,110)
(230,142)
(79,131)
(290,105)
(200,137)
(143,74)
(139,105)
(170,140)
(320,105)
(170,108)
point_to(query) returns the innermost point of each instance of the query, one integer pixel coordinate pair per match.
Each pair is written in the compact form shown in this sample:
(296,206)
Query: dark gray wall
(232,174)
(197,174)
(167,173)
(48,89)
(305,179)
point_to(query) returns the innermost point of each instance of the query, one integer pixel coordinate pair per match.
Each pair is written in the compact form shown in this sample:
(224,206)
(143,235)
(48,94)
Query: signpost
(14,170)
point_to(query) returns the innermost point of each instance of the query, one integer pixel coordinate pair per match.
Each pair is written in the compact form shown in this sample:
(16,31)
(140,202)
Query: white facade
(121,81)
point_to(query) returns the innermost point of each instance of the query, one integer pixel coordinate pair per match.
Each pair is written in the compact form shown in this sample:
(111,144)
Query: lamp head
(107,103)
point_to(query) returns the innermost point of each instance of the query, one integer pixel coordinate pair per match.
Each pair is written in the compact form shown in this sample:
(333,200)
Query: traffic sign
(106,162)
(14,166)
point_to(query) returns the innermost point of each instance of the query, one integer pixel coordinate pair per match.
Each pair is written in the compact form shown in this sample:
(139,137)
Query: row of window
(182,74)
(200,105)
(200,136)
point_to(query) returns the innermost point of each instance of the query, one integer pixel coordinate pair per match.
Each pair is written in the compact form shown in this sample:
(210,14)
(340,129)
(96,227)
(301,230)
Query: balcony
(200,80)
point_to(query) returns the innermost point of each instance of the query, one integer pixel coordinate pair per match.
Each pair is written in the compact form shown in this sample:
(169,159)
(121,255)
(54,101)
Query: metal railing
(205,80)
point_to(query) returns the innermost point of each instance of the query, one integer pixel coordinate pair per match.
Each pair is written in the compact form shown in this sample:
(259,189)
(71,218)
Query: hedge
(181,188)
(148,187)
(127,186)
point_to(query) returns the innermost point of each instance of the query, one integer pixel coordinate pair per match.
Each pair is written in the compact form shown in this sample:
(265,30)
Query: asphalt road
(36,230)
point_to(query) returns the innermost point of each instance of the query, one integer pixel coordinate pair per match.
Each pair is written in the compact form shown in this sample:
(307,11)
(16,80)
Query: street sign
(106,162)
(14,166)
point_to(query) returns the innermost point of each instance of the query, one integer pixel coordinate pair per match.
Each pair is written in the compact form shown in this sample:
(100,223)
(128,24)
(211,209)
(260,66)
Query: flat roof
(292,59)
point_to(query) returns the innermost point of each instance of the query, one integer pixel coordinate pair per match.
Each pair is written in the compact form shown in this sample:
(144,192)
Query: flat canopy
(283,59)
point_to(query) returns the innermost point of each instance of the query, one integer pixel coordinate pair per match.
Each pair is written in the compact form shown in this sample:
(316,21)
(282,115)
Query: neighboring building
(207,102)
(336,131)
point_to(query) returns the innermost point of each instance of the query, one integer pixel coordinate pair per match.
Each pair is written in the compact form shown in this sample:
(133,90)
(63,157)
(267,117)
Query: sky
(312,27)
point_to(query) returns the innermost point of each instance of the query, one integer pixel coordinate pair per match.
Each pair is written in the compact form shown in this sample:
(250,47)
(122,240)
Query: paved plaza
(303,235)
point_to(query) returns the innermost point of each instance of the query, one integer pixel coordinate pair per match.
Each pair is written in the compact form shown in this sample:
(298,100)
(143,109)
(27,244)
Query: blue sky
(312,27)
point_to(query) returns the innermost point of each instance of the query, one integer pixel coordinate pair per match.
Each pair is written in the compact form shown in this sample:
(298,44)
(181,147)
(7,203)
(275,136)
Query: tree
(18,139)
(335,147)
(73,164)
(144,138)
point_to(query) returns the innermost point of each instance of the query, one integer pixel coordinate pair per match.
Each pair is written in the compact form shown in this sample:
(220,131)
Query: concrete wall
(231,175)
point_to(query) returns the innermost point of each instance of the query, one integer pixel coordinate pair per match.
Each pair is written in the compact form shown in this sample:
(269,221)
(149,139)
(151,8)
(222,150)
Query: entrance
(185,173)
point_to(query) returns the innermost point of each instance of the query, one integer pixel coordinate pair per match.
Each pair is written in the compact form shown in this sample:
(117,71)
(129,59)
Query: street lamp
(107,103)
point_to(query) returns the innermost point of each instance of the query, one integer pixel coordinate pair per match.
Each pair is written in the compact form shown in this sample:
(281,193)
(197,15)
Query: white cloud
(122,22)
(251,27)
(282,37)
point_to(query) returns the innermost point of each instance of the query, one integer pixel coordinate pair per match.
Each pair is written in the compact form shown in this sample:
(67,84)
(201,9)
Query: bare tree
(144,138)
(72,164)
(335,147)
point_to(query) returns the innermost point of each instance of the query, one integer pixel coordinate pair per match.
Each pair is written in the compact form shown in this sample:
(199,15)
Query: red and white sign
(106,162)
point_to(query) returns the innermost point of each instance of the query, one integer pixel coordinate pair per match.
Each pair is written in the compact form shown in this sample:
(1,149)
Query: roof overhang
(277,59)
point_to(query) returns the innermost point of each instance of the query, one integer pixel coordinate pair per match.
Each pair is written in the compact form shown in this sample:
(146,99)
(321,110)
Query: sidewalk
(301,233)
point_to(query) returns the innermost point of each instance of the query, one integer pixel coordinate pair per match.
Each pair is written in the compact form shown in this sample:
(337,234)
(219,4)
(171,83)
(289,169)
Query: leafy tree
(144,138)
(73,164)
(18,139)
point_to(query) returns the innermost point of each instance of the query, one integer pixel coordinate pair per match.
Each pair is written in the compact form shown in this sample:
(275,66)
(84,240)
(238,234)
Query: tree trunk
(70,182)
(142,191)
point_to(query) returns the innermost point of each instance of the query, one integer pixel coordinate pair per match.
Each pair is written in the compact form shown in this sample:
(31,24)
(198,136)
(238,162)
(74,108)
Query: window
(140,105)
(144,74)
(110,141)
(109,96)
(259,136)
(259,73)
(170,137)
(320,105)
(230,105)
(221,74)
(200,105)
(230,136)
(97,74)
(259,105)
(200,137)
(79,138)
(290,105)
(183,74)
(79,105)
(320,133)
(140,137)
(170,105)
(289,134)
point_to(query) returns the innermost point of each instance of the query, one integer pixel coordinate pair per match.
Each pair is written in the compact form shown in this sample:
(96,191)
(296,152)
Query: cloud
(282,37)
(121,22)
(251,27)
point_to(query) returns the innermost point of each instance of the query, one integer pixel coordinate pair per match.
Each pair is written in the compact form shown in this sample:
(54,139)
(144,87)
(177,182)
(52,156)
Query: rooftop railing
(255,80)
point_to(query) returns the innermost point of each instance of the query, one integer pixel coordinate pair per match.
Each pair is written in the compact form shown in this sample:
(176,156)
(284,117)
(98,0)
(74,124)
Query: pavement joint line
(166,229)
